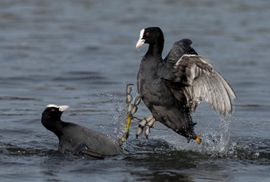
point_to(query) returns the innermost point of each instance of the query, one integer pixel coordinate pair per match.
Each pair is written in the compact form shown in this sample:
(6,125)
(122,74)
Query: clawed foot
(145,125)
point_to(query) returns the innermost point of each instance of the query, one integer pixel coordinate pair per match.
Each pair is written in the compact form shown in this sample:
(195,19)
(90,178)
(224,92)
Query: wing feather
(204,84)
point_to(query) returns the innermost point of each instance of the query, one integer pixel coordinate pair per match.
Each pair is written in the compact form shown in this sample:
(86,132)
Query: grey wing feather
(205,84)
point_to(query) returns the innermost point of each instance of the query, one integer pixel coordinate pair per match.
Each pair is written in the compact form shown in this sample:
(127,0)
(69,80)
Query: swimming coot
(77,139)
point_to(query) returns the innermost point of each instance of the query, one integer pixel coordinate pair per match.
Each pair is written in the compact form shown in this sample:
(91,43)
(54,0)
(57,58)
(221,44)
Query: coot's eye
(53,110)
(146,34)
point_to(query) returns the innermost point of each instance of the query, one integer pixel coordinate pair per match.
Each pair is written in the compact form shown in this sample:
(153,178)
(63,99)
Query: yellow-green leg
(132,107)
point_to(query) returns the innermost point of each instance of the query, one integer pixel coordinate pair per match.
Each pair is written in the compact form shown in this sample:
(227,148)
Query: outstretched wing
(203,83)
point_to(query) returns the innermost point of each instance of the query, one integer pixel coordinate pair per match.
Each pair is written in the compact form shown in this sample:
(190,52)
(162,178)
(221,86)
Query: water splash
(215,140)
(217,143)
(118,113)
(118,110)
(119,116)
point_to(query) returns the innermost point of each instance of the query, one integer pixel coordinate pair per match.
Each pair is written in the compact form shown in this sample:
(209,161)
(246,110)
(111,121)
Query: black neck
(155,49)
(54,126)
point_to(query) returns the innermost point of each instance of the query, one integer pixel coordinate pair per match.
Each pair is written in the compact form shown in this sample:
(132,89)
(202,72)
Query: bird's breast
(154,91)
(150,85)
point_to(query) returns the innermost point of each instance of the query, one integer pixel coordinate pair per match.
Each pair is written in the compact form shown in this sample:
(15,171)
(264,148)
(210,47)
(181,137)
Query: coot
(172,88)
(77,139)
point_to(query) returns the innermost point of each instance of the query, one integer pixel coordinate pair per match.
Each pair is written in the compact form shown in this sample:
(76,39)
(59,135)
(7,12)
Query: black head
(51,116)
(152,36)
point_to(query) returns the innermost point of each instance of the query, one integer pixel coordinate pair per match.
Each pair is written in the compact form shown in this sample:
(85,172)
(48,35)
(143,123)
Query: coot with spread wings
(172,88)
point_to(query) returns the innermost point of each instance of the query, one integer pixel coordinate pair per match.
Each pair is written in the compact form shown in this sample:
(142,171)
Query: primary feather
(205,84)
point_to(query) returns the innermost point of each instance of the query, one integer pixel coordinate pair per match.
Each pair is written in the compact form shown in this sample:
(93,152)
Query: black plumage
(172,87)
(77,139)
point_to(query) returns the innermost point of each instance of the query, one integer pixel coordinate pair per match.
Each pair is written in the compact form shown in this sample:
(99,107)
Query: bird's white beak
(141,40)
(63,108)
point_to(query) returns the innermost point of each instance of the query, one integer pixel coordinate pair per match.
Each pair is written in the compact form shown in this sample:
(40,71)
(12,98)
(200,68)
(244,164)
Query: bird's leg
(194,136)
(132,107)
(145,125)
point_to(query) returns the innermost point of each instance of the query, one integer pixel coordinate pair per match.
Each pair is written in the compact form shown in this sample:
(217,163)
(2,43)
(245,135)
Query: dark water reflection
(82,53)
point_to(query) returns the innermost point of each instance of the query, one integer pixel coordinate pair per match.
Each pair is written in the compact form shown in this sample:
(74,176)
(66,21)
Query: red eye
(53,110)
(146,34)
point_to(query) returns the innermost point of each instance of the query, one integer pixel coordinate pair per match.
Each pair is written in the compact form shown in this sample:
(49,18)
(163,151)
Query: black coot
(173,87)
(77,139)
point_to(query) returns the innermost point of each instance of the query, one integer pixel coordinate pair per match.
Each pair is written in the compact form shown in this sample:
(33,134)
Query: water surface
(82,53)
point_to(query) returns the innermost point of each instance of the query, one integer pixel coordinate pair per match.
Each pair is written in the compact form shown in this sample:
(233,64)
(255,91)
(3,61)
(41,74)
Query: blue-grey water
(82,53)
